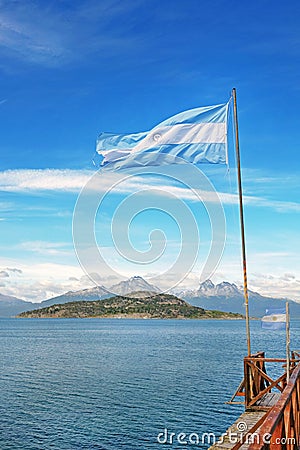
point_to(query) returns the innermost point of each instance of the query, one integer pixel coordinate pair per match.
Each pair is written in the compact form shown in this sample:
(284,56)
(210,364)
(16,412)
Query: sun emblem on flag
(156,137)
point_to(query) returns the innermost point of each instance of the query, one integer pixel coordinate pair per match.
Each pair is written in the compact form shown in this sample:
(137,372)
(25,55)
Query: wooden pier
(272,408)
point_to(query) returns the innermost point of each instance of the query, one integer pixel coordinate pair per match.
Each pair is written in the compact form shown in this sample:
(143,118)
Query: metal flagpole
(288,341)
(238,159)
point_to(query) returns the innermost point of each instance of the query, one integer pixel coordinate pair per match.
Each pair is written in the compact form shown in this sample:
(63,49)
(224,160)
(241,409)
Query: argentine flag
(195,136)
(275,319)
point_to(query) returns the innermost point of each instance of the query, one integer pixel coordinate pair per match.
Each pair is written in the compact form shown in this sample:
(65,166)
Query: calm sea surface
(106,384)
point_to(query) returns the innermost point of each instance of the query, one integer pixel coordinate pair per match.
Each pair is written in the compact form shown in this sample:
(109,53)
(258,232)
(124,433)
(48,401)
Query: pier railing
(281,428)
(271,420)
(259,387)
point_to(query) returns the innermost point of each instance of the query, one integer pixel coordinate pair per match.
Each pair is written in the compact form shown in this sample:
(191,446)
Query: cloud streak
(39,180)
(46,248)
(26,33)
(66,180)
(53,35)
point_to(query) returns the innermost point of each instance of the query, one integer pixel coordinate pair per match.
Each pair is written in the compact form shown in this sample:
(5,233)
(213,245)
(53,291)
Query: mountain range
(224,296)
(228,297)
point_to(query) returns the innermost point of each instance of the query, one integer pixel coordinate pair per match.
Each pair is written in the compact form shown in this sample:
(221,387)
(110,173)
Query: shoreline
(131,317)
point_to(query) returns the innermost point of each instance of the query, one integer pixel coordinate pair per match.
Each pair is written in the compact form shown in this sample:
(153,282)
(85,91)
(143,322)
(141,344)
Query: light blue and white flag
(275,319)
(196,136)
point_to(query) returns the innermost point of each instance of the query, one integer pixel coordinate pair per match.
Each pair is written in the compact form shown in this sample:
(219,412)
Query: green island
(138,305)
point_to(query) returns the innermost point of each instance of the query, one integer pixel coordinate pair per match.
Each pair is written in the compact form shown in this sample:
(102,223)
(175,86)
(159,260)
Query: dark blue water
(71,384)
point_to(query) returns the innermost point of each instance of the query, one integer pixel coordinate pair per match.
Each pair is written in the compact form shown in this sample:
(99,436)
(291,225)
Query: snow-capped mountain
(228,297)
(133,284)
(209,289)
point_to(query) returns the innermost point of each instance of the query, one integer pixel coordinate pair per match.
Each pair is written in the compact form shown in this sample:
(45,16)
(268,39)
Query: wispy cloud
(47,248)
(39,180)
(66,180)
(52,34)
(30,34)
(277,205)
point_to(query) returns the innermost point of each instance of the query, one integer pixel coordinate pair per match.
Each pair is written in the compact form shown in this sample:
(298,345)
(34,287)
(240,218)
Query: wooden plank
(269,399)
(252,420)
(239,392)
(251,359)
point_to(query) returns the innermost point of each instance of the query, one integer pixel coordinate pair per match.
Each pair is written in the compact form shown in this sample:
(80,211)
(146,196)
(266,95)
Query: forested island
(138,305)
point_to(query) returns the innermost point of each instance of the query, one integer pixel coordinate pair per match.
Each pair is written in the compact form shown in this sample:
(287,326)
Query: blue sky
(72,69)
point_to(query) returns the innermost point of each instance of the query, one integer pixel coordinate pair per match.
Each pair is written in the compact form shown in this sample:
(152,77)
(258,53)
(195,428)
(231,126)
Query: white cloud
(47,248)
(52,36)
(37,290)
(277,205)
(66,180)
(276,285)
(43,280)
(47,179)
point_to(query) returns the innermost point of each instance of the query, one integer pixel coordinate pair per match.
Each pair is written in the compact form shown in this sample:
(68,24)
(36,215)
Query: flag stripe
(167,154)
(204,133)
(274,318)
(211,114)
(200,133)
(273,325)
